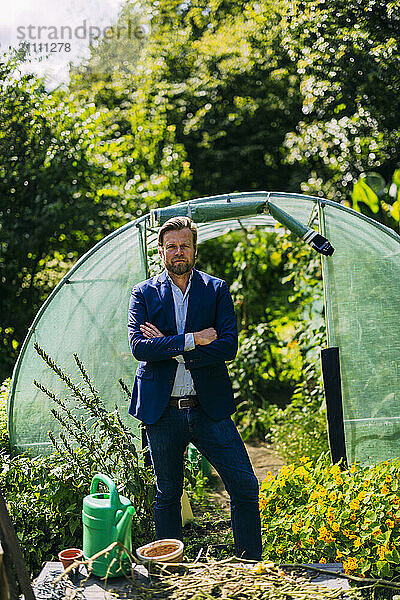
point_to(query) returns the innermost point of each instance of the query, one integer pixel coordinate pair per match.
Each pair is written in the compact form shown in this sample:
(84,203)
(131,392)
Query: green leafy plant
(374,198)
(44,497)
(301,428)
(313,511)
(94,440)
(45,493)
(259,379)
(195,481)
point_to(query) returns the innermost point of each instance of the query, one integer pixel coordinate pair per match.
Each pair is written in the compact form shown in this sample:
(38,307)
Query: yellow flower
(339,555)
(338,480)
(384,490)
(361,496)
(323,532)
(322,561)
(269,476)
(304,459)
(335,526)
(376,531)
(357,543)
(388,478)
(335,470)
(381,551)
(262,567)
(389,523)
(332,496)
(353,516)
(295,528)
(346,532)
(354,505)
(263,503)
(350,564)
(353,469)
(259,568)
(301,471)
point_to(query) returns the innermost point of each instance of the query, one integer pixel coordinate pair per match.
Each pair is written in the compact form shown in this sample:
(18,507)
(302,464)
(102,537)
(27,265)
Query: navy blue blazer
(210,305)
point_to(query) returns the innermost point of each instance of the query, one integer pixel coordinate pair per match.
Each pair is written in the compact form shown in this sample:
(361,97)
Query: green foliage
(300,428)
(312,512)
(195,481)
(262,375)
(224,80)
(74,166)
(44,497)
(45,494)
(258,265)
(49,202)
(372,197)
(346,53)
(104,444)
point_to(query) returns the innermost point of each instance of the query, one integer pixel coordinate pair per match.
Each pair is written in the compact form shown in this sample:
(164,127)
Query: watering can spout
(123,525)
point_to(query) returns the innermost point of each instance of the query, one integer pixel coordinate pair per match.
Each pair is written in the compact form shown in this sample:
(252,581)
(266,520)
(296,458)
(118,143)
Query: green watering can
(106,519)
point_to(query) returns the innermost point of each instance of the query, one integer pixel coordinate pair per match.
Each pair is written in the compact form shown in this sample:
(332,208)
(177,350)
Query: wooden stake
(13,556)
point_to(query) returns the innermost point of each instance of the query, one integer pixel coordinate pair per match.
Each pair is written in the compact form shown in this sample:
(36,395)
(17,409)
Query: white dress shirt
(183,384)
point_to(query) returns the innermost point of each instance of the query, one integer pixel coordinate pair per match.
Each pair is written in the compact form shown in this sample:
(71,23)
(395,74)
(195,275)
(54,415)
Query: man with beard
(182,329)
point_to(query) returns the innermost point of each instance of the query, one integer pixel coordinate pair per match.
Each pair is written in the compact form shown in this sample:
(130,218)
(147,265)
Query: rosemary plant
(93,439)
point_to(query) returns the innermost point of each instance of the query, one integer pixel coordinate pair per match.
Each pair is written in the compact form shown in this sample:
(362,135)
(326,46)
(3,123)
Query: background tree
(72,170)
(347,55)
(50,205)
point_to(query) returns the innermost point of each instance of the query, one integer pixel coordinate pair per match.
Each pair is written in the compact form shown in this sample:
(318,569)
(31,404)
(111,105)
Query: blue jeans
(222,446)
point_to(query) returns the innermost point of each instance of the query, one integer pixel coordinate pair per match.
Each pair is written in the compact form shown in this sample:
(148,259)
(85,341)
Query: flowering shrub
(316,512)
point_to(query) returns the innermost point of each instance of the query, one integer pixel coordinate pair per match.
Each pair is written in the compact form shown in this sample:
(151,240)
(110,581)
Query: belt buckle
(179,403)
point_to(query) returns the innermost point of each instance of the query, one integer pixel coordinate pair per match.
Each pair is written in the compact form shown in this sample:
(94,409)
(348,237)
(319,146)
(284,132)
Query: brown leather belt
(184,401)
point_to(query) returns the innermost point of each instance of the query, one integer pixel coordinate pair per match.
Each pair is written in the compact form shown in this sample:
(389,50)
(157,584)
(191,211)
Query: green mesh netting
(363,308)
(87,314)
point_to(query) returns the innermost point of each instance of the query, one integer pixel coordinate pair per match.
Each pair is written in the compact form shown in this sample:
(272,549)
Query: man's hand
(205,336)
(150,331)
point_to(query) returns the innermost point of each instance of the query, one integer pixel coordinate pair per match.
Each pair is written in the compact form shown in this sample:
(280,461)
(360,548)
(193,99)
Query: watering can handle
(114,496)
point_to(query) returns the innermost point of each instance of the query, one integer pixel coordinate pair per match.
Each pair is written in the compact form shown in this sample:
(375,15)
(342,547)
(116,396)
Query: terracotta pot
(69,555)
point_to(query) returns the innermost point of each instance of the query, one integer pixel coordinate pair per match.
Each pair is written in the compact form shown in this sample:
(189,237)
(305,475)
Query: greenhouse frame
(87,314)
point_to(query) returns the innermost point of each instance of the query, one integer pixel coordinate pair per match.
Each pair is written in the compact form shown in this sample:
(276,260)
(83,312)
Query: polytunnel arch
(87,313)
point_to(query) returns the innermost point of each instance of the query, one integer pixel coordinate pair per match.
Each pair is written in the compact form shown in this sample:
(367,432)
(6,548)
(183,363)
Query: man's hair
(177,223)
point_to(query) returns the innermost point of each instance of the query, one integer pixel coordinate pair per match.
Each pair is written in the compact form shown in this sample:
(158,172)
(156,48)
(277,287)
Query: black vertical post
(334,406)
